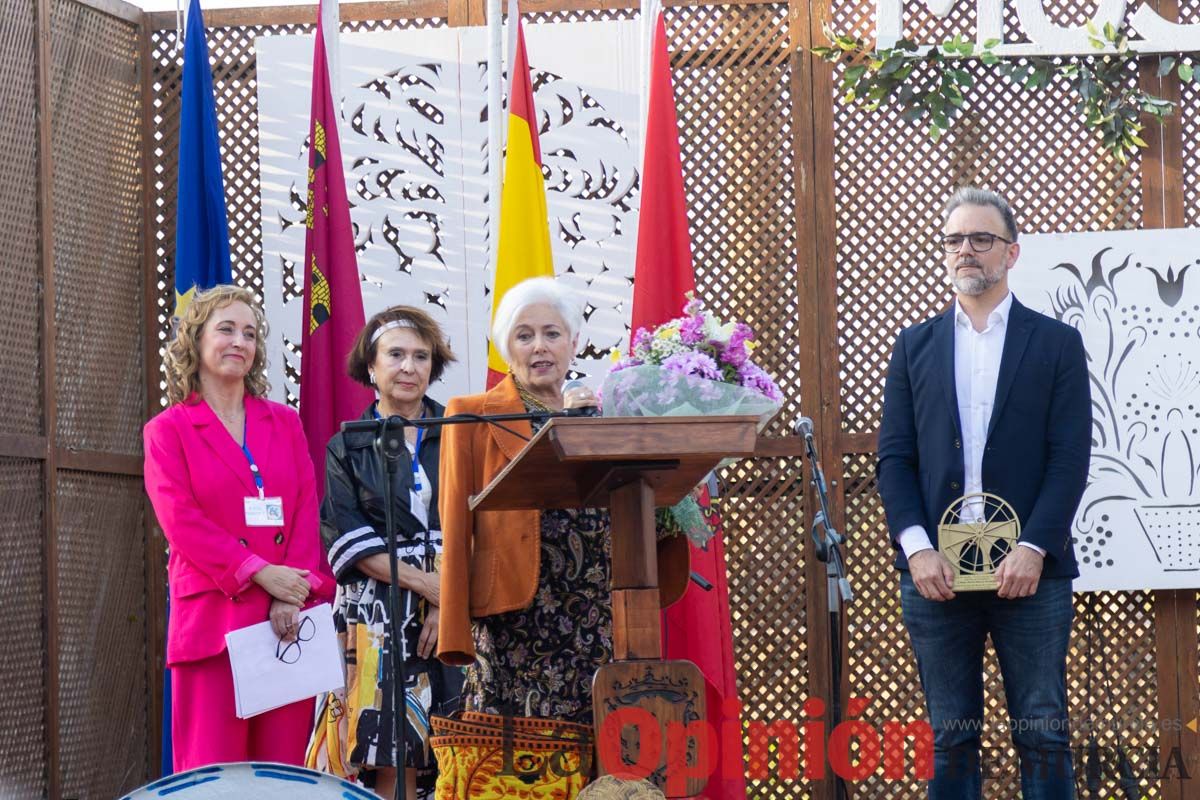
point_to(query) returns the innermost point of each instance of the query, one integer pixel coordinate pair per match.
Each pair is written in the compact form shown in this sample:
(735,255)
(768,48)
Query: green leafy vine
(929,85)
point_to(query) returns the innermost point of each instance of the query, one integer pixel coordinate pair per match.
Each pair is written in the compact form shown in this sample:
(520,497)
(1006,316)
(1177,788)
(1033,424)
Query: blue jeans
(1030,636)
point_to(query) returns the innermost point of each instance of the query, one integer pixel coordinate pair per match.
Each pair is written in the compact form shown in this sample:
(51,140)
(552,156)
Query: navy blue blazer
(1038,440)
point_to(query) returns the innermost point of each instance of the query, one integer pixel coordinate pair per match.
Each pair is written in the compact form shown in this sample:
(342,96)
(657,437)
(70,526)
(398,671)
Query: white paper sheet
(268,673)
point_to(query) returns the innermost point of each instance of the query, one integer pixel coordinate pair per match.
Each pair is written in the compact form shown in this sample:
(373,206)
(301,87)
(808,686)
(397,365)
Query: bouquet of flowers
(694,365)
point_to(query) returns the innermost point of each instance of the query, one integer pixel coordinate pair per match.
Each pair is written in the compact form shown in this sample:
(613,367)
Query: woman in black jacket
(399,352)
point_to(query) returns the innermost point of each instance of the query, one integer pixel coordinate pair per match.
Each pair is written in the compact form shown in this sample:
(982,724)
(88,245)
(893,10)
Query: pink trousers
(206,730)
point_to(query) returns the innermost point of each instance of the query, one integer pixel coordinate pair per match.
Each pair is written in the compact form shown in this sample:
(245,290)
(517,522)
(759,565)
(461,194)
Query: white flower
(717,332)
(661,349)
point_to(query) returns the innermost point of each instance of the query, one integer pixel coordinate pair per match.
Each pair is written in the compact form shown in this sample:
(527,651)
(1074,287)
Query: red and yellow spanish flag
(523,249)
(333,311)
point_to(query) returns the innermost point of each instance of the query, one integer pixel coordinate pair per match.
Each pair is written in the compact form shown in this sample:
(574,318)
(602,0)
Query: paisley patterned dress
(540,661)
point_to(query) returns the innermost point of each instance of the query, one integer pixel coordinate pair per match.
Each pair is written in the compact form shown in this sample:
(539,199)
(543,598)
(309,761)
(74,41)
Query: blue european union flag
(201,227)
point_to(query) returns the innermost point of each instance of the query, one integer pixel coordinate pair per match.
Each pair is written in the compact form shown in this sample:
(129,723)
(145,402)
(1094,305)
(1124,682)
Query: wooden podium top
(574,462)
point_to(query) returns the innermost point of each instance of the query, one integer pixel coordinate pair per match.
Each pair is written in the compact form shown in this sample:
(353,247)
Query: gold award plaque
(976,532)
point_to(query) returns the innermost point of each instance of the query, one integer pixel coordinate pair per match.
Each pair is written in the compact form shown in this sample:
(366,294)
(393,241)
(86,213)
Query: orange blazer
(491,559)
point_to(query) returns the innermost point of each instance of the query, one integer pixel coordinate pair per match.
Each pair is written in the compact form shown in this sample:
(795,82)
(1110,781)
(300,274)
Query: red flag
(333,312)
(663,275)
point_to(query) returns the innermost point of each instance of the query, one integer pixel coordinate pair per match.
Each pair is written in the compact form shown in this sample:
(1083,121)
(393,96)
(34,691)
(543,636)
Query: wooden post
(1174,611)
(816,220)
(45,190)
(637,632)
(155,572)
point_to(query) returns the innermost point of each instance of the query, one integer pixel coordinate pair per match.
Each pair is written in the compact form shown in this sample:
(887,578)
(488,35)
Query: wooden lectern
(631,466)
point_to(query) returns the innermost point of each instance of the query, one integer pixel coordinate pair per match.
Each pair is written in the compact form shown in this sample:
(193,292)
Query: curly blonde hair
(182,361)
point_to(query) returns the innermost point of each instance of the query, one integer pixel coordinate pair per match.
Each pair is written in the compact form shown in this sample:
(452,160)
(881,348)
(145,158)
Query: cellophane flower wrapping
(694,365)
(657,391)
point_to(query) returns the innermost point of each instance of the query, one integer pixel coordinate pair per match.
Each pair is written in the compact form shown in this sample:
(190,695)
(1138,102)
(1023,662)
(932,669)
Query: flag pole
(649,11)
(495,105)
(331,27)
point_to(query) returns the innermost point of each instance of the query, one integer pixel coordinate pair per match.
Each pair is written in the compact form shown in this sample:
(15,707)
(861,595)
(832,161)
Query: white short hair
(531,292)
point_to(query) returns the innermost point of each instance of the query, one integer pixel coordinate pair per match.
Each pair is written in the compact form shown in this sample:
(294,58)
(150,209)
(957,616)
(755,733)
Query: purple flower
(753,377)
(734,355)
(693,363)
(709,391)
(735,352)
(642,339)
(693,307)
(691,331)
(742,333)
(626,363)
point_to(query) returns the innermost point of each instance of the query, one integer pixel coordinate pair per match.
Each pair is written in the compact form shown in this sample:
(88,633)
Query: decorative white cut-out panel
(414,144)
(1135,298)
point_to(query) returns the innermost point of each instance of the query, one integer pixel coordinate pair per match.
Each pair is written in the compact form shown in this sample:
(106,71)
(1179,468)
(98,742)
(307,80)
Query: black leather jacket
(352,519)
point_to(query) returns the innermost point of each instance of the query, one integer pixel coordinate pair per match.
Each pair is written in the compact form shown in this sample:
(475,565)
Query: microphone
(804,427)
(581,411)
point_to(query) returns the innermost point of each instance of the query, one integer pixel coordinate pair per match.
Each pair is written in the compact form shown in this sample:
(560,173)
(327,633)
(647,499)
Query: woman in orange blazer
(525,594)
(232,485)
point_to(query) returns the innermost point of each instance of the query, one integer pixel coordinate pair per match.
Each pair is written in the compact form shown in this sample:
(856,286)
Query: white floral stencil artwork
(414,144)
(1135,298)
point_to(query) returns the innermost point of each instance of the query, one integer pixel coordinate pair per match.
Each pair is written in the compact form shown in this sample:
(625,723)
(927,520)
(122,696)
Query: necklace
(531,402)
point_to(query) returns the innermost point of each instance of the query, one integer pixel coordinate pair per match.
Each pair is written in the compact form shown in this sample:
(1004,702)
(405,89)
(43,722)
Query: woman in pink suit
(232,484)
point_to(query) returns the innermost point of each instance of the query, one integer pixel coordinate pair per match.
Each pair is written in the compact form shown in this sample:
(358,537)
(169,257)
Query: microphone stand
(387,451)
(826,546)
(388,445)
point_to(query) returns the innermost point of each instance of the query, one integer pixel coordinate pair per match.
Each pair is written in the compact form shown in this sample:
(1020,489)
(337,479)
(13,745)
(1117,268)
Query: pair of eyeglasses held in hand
(289,652)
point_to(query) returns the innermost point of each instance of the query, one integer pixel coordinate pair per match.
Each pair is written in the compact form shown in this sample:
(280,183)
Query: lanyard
(416,457)
(258,481)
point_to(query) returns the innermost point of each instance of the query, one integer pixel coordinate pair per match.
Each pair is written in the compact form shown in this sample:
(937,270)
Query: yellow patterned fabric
(326,745)
(482,758)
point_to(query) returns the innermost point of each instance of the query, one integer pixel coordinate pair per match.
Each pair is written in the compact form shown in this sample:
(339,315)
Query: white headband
(389,326)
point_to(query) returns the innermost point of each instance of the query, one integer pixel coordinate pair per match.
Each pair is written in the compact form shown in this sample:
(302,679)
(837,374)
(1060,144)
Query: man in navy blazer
(988,397)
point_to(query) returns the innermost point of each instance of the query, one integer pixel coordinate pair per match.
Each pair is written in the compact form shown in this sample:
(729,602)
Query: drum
(261,781)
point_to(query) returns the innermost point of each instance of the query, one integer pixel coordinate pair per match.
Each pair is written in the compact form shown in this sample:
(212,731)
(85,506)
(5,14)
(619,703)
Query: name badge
(264,512)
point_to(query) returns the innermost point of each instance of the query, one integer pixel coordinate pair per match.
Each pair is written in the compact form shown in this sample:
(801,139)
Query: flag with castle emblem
(333,311)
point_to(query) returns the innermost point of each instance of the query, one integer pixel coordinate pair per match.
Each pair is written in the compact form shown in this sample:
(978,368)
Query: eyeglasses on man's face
(980,242)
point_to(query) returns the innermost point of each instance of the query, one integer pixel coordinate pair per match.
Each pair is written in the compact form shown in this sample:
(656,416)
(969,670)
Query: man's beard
(974,285)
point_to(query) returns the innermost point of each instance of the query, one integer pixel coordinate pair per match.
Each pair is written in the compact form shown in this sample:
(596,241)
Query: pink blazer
(197,477)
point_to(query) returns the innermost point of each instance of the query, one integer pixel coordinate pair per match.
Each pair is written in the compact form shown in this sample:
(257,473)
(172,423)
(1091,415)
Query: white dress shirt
(976,371)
